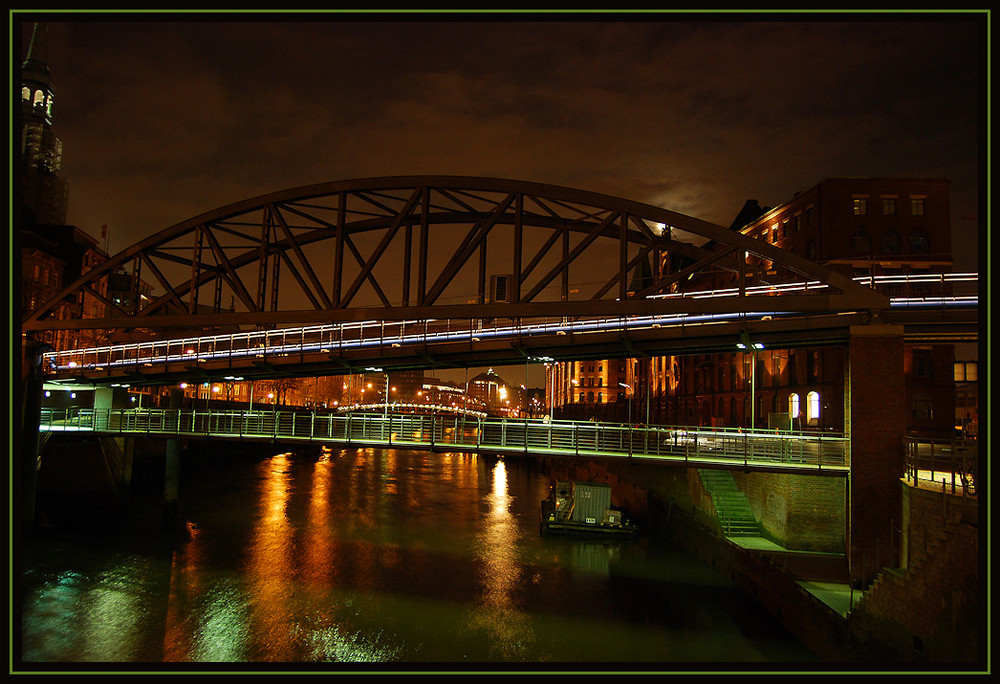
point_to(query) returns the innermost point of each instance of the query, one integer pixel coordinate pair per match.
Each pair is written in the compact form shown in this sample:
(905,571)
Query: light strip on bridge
(332,336)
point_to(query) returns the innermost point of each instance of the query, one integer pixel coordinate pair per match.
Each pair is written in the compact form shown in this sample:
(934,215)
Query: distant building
(493,392)
(859,227)
(44,193)
(54,254)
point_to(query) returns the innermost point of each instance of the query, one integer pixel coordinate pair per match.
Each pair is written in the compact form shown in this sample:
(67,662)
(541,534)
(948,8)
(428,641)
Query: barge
(583,509)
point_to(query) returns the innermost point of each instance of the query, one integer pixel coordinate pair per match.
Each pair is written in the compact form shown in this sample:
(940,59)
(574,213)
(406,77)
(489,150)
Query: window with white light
(812,406)
(793,405)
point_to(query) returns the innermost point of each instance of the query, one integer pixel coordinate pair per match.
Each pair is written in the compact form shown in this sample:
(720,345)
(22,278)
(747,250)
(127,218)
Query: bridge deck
(692,446)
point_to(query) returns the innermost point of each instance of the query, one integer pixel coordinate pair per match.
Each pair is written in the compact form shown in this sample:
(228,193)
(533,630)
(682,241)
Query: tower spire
(35,76)
(44,191)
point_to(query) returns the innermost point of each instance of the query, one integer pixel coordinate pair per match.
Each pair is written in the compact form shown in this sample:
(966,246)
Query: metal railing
(948,465)
(696,446)
(945,290)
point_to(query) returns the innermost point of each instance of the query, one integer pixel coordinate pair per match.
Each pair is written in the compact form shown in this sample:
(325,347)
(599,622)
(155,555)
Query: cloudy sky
(170,117)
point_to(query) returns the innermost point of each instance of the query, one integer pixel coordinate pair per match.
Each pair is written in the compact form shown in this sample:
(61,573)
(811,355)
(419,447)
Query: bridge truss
(432,247)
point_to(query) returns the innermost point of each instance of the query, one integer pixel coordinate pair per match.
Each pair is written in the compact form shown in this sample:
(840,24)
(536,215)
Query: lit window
(860,206)
(966,371)
(793,405)
(888,206)
(917,206)
(972,371)
(812,406)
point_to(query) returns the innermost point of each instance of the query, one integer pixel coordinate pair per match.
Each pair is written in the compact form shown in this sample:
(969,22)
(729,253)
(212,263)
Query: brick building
(871,228)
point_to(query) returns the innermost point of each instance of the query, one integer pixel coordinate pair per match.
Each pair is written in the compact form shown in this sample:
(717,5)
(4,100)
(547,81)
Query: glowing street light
(744,344)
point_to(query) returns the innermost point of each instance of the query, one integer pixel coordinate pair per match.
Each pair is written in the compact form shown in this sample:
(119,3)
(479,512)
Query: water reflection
(96,613)
(497,548)
(270,569)
(372,556)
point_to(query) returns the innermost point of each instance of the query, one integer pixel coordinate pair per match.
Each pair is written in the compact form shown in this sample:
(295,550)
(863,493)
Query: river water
(360,556)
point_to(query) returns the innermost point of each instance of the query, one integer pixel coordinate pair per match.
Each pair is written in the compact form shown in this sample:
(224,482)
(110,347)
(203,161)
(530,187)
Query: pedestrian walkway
(837,595)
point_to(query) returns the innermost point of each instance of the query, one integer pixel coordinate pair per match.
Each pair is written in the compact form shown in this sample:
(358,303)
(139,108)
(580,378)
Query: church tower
(45,194)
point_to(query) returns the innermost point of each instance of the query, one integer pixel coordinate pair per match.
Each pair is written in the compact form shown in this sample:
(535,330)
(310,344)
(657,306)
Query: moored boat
(583,509)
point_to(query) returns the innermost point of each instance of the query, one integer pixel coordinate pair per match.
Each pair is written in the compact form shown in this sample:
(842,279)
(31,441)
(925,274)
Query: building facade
(870,228)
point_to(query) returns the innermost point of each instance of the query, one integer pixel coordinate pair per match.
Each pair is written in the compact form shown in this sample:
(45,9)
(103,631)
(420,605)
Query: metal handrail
(950,465)
(733,446)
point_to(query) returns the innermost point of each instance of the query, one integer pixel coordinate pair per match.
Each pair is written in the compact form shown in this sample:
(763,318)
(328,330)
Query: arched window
(600,397)
(793,405)
(812,406)
(25,93)
(590,397)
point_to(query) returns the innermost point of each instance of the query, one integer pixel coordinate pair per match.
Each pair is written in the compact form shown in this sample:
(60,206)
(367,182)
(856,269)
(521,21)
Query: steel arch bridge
(421,247)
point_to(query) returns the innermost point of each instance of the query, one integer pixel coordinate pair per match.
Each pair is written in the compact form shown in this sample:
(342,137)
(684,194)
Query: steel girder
(437,246)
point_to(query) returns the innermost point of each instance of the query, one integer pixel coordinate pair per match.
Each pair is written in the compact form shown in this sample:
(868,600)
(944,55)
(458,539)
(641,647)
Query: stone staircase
(731,505)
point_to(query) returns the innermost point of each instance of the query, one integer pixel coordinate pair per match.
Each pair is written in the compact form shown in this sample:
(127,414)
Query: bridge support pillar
(172,464)
(31,408)
(875,423)
(104,399)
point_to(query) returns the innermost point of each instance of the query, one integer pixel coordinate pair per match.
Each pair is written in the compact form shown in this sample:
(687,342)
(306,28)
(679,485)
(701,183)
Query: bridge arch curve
(408,245)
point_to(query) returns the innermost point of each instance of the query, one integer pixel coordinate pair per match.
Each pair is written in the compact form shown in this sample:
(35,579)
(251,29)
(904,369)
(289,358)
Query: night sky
(180,114)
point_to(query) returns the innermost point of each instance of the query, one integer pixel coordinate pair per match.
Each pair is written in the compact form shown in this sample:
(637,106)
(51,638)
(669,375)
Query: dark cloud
(165,120)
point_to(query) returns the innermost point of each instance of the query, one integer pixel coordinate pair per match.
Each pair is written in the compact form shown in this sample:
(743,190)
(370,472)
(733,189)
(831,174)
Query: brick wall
(931,609)
(800,512)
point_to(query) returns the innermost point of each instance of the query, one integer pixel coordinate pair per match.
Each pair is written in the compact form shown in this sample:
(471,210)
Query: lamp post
(745,344)
(629,388)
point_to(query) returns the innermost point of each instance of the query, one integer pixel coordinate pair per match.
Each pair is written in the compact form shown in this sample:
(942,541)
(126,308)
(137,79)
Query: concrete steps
(731,505)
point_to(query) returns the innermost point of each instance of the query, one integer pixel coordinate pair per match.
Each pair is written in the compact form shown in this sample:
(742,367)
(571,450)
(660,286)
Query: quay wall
(927,613)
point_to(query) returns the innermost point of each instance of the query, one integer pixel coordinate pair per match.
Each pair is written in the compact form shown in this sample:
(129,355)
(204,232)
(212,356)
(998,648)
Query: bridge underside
(469,343)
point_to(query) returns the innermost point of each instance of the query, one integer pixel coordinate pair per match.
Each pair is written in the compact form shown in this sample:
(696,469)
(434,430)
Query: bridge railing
(946,289)
(500,435)
(949,465)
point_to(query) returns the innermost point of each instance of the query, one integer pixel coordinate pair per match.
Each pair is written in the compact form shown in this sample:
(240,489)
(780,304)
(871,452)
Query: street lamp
(743,345)
(629,388)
